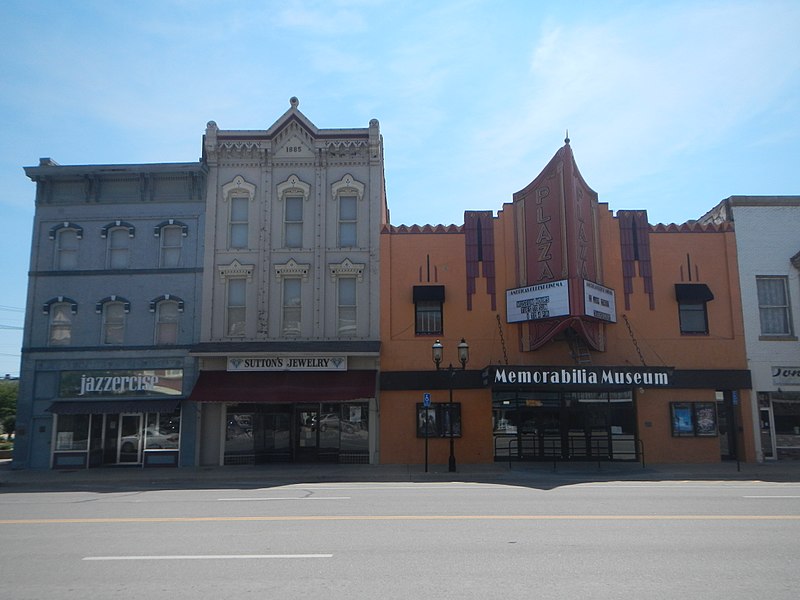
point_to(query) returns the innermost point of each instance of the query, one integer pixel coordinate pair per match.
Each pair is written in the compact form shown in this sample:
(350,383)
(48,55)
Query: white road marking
(206,556)
(770,496)
(257,499)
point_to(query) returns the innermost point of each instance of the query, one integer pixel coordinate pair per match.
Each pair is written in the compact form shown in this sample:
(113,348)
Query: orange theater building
(586,335)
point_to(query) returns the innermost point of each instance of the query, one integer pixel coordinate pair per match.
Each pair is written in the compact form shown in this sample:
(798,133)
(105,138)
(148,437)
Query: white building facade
(768,249)
(289,341)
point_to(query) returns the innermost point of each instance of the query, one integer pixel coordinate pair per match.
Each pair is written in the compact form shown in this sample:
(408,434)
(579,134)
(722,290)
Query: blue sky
(671,106)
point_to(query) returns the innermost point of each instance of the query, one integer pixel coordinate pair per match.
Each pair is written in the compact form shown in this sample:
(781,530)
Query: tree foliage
(8,397)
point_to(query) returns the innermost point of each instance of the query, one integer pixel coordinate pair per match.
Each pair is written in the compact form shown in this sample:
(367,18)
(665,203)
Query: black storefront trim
(721,379)
(96,407)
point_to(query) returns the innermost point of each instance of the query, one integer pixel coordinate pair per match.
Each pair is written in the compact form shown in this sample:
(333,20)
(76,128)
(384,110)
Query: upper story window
(293,193)
(236,277)
(293,222)
(346,309)
(113,310)
(773,306)
(428,309)
(239,222)
(66,236)
(292,307)
(170,234)
(238,194)
(347,274)
(119,236)
(167,310)
(692,313)
(236,307)
(61,312)
(347,192)
(348,212)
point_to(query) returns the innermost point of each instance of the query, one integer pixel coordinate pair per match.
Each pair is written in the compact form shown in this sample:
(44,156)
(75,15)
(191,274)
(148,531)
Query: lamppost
(463,356)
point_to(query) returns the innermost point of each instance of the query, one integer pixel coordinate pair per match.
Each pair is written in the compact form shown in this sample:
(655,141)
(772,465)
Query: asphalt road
(405,540)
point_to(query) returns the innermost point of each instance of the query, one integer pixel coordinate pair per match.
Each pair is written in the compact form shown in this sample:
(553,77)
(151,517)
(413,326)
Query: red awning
(284,386)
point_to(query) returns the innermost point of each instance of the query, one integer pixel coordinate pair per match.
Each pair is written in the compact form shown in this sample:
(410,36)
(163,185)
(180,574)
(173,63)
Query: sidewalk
(539,475)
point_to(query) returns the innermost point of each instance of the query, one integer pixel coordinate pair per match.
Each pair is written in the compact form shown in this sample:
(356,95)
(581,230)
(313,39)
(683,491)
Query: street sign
(426,400)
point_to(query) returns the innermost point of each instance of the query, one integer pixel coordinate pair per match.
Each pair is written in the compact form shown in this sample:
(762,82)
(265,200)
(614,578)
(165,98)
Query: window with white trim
(292,306)
(348,213)
(60,330)
(67,249)
(170,246)
(346,306)
(118,248)
(773,306)
(167,322)
(236,311)
(293,222)
(114,322)
(238,222)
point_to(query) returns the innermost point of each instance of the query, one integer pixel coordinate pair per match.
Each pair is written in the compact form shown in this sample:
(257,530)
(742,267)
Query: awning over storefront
(90,407)
(693,293)
(283,386)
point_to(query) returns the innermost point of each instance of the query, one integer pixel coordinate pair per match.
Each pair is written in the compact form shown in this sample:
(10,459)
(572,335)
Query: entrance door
(130,439)
(306,432)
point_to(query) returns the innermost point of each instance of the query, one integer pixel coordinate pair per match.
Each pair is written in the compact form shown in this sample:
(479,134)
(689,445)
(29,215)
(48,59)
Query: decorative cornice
(292,268)
(293,185)
(347,268)
(422,229)
(235,270)
(347,185)
(238,184)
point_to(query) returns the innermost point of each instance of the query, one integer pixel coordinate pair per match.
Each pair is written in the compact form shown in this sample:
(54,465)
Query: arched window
(66,236)
(238,193)
(113,310)
(167,322)
(170,234)
(119,235)
(61,311)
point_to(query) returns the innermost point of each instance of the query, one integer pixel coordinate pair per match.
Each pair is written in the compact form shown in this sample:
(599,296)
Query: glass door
(307,427)
(130,439)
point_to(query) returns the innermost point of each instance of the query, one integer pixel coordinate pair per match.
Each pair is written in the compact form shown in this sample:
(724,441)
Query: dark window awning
(96,407)
(424,293)
(283,386)
(693,293)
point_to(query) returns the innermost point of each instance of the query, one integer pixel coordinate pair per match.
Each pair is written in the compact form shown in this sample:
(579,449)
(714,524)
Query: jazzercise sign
(543,301)
(150,382)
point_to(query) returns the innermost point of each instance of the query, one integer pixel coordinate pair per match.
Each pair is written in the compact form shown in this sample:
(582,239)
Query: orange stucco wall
(432,256)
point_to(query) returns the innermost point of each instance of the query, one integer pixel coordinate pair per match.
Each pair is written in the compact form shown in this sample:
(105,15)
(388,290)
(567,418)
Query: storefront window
(787,427)
(572,425)
(72,432)
(162,432)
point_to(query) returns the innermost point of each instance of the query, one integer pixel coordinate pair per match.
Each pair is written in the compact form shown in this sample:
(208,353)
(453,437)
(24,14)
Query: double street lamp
(463,357)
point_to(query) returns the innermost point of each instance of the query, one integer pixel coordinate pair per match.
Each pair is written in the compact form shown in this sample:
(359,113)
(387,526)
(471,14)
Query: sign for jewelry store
(282,362)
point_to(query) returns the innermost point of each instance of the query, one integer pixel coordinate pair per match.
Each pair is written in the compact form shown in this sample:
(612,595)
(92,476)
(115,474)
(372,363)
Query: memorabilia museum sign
(567,377)
(144,382)
(281,362)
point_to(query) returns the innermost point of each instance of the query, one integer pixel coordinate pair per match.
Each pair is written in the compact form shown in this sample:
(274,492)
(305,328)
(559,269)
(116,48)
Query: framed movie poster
(682,419)
(439,420)
(705,418)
